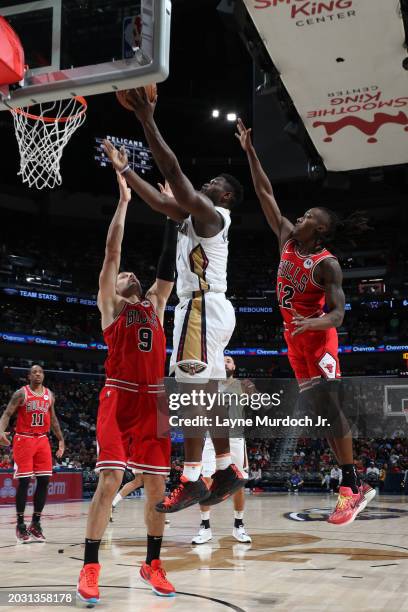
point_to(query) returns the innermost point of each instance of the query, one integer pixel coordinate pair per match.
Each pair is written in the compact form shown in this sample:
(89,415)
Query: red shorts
(32,456)
(132,431)
(314,355)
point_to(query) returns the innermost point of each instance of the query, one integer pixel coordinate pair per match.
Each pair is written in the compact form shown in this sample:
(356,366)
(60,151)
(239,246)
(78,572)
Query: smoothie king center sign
(311,13)
(341,62)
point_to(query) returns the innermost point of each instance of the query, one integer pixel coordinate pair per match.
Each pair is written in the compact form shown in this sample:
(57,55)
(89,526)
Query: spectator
(295,482)
(335,478)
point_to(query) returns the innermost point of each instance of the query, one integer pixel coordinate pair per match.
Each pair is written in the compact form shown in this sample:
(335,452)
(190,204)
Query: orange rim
(79,99)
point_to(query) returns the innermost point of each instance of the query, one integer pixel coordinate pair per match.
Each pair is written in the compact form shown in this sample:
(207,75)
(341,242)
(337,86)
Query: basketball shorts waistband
(125,385)
(31,435)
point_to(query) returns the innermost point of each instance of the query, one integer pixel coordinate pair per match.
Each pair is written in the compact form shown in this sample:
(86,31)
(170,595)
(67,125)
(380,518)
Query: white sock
(222,461)
(118,498)
(238,515)
(205,516)
(192,471)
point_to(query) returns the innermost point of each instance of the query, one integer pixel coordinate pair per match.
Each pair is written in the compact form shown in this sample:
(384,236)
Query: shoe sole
(242,541)
(154,590)
(23,541)
(198,543)
(87,603)
(34,539)
(217,500)
(369,496)
(173,509)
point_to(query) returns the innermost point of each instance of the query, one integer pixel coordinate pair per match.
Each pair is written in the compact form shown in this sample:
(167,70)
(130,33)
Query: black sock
(238,523)
(20,519)
(350,477)
(91,551)
(153,548)
(36,517)
(205,524)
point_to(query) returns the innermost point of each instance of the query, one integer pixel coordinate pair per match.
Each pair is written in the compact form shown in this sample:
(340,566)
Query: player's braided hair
(343,229)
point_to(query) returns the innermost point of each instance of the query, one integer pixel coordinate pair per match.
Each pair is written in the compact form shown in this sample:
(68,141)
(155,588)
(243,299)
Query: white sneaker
(204,535)
(167,521)
(241,535)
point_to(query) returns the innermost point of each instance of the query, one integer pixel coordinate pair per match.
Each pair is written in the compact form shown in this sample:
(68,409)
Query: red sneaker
(155,575)
(36,532)
(87,588)
(22,535)
(368,492)
(185,495)
(349,505)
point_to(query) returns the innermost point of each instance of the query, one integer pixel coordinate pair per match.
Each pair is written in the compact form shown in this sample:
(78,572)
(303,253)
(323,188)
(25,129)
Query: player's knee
(110,481)
(23,483)
(154,485)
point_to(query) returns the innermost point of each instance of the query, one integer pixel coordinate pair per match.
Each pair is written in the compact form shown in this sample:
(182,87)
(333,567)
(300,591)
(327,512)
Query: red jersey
(136,345)
(34,415)
(297,287)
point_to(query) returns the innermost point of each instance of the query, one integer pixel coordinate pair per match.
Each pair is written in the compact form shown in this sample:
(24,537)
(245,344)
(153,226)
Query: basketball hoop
(42,136)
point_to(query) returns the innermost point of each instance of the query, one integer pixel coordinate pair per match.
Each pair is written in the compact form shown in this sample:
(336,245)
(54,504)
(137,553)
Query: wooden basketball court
(297,562)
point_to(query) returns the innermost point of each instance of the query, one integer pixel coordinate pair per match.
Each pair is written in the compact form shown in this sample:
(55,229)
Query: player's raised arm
(56,429)
(195,203)
(107,298)
(12,407)
(158,201)
(280,225)
(160,291)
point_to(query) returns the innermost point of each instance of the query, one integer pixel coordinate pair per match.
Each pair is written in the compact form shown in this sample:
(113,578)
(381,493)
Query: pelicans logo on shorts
(192,368)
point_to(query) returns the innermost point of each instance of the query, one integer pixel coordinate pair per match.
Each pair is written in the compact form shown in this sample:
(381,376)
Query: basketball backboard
(86,47)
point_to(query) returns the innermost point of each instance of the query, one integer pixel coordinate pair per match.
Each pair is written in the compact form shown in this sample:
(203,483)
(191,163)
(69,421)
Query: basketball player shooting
(35,408)
(204,318)
(310,278)
(132,400)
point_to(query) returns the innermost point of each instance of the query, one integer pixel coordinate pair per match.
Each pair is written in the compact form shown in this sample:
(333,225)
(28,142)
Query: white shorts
(203,326)
(238,456)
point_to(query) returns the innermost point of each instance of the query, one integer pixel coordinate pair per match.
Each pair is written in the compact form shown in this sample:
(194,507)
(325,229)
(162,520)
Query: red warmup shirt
(136,345)
(34,416)
(296,287)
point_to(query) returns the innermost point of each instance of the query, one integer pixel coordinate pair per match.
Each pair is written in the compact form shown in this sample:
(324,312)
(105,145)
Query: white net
(42,133)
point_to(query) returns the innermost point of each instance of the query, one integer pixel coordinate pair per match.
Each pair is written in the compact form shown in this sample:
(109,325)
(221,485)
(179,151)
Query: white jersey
(202,262)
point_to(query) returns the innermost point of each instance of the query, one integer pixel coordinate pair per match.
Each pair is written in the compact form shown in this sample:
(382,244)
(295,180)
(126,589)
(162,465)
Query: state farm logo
(343,106)
(314,12)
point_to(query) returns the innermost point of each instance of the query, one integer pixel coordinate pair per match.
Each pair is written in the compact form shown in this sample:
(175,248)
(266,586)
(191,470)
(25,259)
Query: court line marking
(109,586)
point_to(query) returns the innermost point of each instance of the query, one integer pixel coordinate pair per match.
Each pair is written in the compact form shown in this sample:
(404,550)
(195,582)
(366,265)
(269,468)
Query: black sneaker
(224,484)
(186,494)
(22,535)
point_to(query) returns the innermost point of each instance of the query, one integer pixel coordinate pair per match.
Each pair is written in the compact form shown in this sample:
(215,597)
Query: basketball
(125,96)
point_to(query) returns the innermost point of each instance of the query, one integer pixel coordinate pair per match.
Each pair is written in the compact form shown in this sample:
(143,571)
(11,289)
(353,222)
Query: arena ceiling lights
(344,65)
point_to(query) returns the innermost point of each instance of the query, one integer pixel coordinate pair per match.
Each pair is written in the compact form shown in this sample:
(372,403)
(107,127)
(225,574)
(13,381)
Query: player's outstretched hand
(124,191)
(4,441)
(118,158)
(143,107)
(166,189)
(244,136)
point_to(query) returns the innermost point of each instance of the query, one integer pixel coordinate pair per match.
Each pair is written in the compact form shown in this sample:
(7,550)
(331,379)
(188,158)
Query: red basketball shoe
(87,589)
(36,532)
(349,505)
(22,535)
(155,575)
